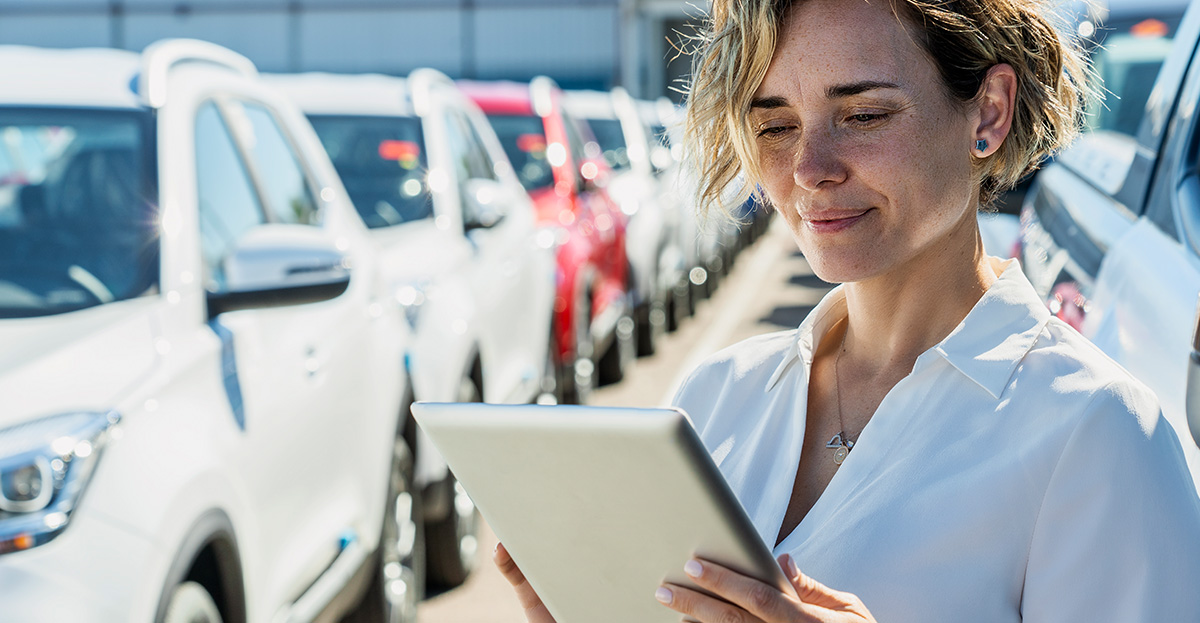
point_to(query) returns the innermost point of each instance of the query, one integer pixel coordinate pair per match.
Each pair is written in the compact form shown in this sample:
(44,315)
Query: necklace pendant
(841,447)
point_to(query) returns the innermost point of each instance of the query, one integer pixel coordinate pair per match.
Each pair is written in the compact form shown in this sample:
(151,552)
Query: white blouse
(1017,474)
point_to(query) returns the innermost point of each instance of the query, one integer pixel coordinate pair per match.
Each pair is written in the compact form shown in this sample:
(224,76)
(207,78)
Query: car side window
(482,165)
(285,186)
(1127,61)
(460,149)
(228,203)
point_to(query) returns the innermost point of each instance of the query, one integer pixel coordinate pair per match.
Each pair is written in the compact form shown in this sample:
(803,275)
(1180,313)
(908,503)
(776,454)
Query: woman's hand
(752,601)
(535,610)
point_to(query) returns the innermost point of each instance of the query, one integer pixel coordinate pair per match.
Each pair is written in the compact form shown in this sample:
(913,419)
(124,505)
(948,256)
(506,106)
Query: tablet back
(597,505)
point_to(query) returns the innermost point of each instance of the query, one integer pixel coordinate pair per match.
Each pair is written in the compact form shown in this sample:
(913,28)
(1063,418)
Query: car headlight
(44,467)
(411,297)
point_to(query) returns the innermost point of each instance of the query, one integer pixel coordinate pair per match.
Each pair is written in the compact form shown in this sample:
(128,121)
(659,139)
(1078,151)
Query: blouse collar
(986,346)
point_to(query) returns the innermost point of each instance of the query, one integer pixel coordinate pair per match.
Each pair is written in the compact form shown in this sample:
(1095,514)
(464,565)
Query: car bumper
(95,571)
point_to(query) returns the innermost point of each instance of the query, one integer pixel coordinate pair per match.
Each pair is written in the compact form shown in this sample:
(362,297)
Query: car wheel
(398,580)
(452,541)
(191,603)
(680,306)
(621,352)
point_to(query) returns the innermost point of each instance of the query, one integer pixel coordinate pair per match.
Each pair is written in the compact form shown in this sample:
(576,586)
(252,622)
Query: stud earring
(981,144)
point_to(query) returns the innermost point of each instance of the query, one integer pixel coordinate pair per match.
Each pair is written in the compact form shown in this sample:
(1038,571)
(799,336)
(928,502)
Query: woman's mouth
(833,223)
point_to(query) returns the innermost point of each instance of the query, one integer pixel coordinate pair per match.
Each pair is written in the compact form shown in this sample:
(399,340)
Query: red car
(561,167)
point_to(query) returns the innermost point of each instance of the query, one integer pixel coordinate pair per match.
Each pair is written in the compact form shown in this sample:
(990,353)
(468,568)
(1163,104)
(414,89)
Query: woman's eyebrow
(769,102)
(833,92)
(854,88)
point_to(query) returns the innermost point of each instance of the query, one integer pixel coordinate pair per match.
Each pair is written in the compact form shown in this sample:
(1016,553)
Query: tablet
(597,505)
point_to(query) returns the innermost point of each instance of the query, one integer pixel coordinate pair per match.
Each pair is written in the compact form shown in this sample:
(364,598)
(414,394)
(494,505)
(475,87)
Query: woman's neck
(895,317)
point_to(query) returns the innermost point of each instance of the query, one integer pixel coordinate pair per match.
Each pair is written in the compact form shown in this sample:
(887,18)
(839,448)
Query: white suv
(458,242)
(203,388)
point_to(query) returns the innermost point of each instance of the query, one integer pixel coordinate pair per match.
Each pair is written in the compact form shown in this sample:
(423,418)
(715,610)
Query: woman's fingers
(535,610)
(700,607)
(762,600)
(814,594)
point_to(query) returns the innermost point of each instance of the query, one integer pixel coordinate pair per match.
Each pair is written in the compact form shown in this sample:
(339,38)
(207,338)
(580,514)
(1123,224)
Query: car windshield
(612,142)
(524,140)
(382,162)
(78,218)
(1128,60)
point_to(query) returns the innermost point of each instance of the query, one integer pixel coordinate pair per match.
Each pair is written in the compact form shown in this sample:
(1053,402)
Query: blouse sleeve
(1118,535)
(693,401)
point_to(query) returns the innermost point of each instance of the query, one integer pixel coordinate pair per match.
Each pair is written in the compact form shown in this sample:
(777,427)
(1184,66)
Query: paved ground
(770,288)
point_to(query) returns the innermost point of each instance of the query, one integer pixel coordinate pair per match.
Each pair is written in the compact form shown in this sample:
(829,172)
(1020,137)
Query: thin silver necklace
(840,443)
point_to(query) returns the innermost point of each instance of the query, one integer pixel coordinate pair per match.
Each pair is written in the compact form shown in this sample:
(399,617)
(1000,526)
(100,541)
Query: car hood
(83,360)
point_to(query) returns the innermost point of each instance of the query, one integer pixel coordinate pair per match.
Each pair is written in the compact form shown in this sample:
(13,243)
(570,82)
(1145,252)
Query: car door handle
(312,363)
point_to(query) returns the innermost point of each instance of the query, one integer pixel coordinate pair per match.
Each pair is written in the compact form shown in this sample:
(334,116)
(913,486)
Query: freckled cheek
(778,178)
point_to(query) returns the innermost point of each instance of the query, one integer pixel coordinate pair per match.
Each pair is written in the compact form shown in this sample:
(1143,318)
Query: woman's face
(860,148)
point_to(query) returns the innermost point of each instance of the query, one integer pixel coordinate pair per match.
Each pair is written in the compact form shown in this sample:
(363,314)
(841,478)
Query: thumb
(807,589)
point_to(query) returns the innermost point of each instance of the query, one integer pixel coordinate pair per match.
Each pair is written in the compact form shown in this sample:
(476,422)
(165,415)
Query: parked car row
(220,292)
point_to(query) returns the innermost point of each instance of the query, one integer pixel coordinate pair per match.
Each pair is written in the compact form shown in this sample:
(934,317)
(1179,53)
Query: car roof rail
(161,56)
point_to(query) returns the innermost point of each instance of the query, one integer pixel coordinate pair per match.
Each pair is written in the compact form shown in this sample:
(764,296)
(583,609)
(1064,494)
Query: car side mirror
(488,202)
(1193,381)
(276,265)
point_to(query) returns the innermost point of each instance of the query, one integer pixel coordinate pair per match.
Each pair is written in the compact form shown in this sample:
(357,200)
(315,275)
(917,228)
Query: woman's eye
(867,118)
(775,130)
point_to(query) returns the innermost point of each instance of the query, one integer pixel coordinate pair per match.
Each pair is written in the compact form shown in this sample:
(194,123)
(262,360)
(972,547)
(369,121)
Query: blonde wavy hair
(963,38)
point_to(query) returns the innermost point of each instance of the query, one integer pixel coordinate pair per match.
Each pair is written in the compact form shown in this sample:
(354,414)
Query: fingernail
(693,568)
(663,594)
(793,568)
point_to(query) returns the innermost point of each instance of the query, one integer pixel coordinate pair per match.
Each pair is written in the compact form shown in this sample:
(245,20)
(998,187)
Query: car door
(1149,281)
(293,366)
(601,220)
(529,263)
(500,246)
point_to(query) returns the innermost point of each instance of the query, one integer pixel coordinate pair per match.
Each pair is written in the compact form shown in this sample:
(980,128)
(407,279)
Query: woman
(929,442)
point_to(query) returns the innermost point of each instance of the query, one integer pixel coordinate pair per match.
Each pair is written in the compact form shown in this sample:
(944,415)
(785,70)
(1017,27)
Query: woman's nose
(817,163)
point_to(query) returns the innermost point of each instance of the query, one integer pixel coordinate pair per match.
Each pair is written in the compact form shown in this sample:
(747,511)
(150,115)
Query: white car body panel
(1142,314)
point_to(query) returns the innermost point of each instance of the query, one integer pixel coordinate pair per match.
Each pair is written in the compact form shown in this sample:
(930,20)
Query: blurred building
(580,43)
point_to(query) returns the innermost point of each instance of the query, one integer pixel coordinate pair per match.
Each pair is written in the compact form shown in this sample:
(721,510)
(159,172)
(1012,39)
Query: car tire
(452,541)
(680,305)
(398,578)
(621,352)
(190,602)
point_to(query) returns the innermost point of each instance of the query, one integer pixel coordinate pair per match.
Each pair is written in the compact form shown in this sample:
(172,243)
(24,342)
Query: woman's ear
(994,108)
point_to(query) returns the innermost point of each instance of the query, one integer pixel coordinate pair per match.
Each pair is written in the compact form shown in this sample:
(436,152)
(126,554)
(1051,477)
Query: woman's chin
(831,269)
